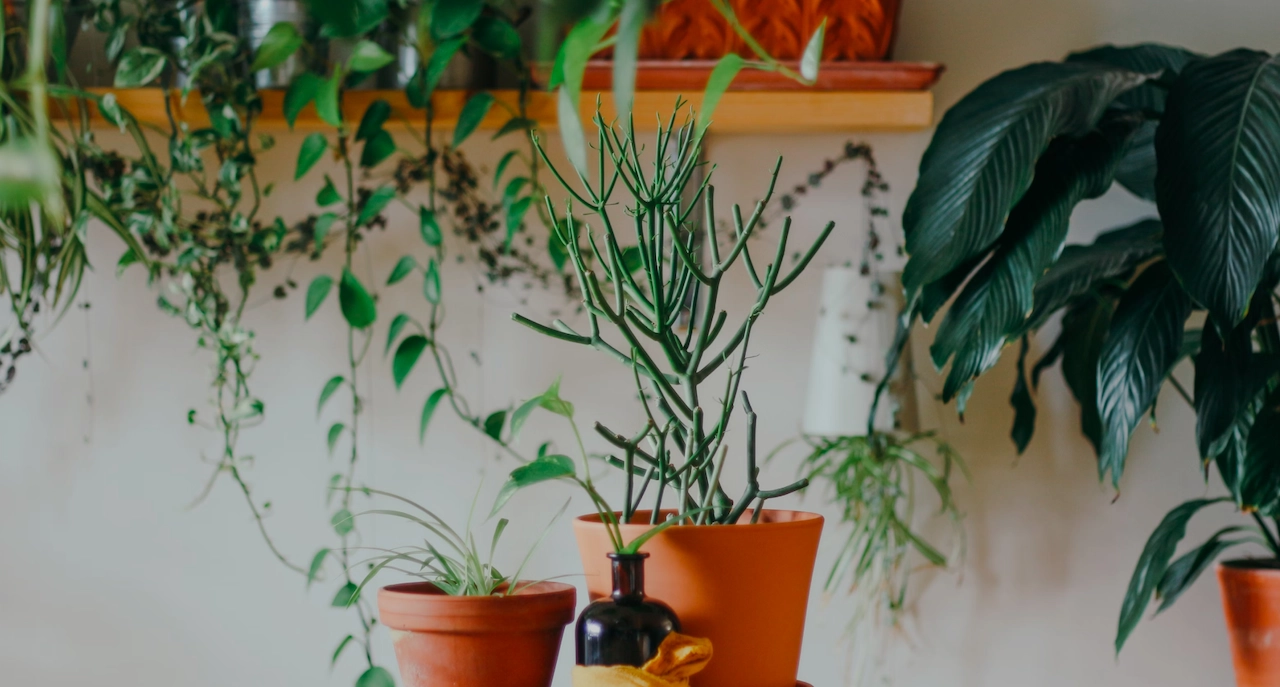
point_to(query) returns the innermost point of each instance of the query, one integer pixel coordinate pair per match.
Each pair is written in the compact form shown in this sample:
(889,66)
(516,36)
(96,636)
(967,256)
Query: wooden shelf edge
(739,112)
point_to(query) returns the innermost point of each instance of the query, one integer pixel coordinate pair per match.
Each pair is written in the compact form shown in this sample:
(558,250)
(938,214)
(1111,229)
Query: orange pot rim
(1267,567)
(776,519)
(421,606)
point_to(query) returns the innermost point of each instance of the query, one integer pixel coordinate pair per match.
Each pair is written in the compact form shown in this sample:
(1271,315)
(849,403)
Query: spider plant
(452,561)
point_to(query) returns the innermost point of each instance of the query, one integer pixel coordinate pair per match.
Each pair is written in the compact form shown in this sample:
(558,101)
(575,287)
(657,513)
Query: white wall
(105,575)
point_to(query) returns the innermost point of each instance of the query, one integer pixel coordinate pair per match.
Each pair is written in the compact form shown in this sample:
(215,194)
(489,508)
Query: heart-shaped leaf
(377,202)
(374,117)
(402,269)
(317,291)
(1141,348)
(428,410)
(368,56)
(406,357)
(379,147)
(452,17)
(312,149)
(139,67)
(1218,186)
(398,324)
(302,91)
(358,307)
(497,36)
(983,157)
(280,43)
(329,388)
(428,227)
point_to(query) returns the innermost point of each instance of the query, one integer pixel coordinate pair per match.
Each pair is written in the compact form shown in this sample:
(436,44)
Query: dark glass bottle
(626,628)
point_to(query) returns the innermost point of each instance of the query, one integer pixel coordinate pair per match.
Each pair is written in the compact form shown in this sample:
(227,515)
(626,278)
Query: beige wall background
(106,576)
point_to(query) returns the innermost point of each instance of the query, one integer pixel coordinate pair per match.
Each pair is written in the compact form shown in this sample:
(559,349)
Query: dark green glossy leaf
(368,56)
(452,17)
(1147,58)
(317,292)
(497,36)
(329,388)
(543,469)
(374,117)
(379,147)
(317,562)
(280,43)
(375,677)
(992,308)
(398,324)
(1230,381)
(1084,330)
(139,67)
(358,307)
(402,269)
(1260,474)
(1183,572)
(473,112)
(983,158)
(312,149)
(1144,342)
(406,357)
(431,283)
(494,423)
(428,227)
(428,410)
(1024,407)
(377,202)
(1218,186)
(302,91)
(1081,268)
(1153,563)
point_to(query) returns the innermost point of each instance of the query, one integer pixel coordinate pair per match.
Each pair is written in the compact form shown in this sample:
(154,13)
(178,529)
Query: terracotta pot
(693,29)
(744,586)
(477,641)
(1251,599)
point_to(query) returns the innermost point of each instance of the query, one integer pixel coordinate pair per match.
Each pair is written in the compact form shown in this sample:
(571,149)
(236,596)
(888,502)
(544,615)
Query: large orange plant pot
(477,641)
(1251,599)
(744,586)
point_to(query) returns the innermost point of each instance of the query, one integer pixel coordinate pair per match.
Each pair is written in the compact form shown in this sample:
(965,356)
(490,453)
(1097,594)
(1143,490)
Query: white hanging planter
(855,329)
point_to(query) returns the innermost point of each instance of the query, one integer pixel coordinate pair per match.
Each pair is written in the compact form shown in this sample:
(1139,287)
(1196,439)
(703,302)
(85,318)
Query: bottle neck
(628,575)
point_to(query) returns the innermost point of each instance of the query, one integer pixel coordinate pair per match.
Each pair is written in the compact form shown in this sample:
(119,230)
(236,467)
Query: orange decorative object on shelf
(694,30)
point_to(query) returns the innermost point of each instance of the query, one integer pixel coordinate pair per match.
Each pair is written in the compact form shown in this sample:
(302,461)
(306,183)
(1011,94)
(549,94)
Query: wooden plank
(739,112)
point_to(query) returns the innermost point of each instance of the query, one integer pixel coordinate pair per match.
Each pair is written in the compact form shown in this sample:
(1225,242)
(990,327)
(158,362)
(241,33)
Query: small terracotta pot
(744,586)
(477,641)
(1251,599)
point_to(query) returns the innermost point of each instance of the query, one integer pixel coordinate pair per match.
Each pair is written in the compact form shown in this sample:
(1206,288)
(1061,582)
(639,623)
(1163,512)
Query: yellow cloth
(678,659)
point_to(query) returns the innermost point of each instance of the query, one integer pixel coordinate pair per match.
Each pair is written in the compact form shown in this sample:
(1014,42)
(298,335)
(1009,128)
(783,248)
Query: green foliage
(472,114)
(874,481)
(650,303)
(280,43)
(1197,135)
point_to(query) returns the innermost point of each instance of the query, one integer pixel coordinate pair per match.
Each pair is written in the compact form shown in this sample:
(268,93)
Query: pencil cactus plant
(661,302)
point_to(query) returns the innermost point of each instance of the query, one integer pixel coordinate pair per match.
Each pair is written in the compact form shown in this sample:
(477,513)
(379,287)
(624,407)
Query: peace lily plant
(986,228)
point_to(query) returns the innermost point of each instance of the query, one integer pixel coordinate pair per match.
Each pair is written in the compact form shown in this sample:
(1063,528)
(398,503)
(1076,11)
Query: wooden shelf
(739,112)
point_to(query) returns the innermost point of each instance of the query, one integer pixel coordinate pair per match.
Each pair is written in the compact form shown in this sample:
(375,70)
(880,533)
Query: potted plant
(710,567)
(1200,137)
(463,623)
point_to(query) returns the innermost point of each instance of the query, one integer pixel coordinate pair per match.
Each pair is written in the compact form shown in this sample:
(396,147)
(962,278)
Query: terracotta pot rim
(1257,566)
(426,590)
(797,519)
(414,606)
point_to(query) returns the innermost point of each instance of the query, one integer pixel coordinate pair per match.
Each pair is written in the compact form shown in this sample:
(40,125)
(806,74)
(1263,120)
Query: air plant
(667,310)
